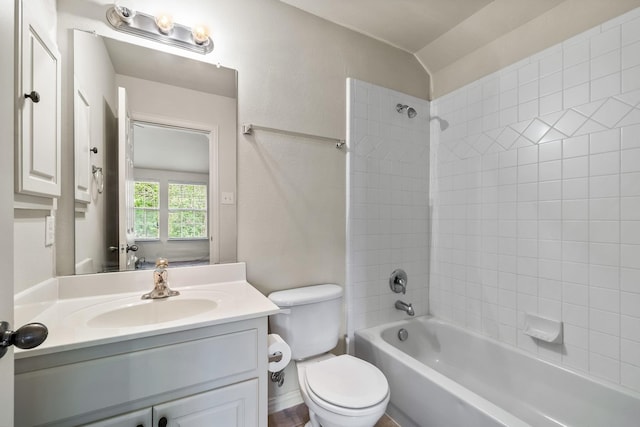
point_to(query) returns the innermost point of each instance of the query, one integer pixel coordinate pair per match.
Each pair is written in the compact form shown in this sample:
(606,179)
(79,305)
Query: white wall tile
(554,227)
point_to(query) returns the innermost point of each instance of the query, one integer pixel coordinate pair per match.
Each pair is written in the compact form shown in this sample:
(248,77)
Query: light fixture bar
(143,25)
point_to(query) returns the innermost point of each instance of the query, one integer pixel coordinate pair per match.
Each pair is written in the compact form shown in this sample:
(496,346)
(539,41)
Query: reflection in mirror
(161,174)
(170,196)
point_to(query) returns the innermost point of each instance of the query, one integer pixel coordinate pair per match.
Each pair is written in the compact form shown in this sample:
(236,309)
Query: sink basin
(149,312)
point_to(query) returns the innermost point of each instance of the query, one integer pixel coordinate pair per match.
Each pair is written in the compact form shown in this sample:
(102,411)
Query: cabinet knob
(139,425)
(162,422)
(34,96)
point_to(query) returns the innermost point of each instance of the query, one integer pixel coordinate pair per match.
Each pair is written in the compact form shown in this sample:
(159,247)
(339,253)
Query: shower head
(411,112)
(442,122)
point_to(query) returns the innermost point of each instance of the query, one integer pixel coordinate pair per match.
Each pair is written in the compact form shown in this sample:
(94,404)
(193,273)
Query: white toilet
(340,391)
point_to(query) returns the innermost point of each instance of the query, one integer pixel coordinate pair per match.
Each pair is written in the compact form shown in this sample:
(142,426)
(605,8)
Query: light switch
(50,230)
(227,198)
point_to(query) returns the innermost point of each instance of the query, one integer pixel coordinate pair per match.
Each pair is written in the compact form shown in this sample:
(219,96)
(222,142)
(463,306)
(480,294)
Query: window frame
(205,210)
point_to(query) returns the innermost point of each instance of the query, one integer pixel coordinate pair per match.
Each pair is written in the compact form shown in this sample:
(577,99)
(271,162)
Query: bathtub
(444,376)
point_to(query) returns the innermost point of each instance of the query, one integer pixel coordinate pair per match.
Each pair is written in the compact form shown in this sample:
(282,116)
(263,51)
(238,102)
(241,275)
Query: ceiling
(438,32)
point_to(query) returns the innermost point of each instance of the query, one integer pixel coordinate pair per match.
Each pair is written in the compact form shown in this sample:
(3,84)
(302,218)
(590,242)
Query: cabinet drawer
(71,390)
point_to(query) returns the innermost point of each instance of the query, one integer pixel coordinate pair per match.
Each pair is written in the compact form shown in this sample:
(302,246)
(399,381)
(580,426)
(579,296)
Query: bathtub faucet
(401,305)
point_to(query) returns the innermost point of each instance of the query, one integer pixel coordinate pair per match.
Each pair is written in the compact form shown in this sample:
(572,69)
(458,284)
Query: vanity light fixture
(161,29)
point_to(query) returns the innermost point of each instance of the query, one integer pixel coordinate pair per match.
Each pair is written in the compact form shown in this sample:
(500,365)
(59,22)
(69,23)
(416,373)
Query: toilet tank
(312,325)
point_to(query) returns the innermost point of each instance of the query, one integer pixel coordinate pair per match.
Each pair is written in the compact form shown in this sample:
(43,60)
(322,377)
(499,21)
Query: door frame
(8,104)
(214,202)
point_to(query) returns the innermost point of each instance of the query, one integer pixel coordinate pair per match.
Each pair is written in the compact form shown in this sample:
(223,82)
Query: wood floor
(297,416)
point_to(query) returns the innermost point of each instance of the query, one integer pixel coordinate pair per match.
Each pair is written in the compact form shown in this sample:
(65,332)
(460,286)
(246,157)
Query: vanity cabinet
(38,148)
(230,406)
(189,378)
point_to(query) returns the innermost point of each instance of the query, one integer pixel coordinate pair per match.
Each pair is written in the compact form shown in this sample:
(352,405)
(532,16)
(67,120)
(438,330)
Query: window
(146,196)
(187,211)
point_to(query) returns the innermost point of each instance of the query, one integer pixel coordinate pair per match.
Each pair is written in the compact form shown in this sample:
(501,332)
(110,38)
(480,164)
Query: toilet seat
(346,383)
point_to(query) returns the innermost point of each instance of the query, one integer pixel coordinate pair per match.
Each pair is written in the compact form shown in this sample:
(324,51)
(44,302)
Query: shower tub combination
(444,376)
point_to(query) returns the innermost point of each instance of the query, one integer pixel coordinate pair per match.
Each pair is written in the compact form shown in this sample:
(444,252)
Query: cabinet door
(232,406)
(38,165)
(134,419)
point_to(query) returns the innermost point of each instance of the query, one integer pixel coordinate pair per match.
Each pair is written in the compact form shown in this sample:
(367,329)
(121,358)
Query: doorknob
(132,248)
(28,336)
(34,96)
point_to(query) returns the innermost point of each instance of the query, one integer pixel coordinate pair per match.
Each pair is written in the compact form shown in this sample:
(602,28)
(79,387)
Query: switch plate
(50,230)
(227,198)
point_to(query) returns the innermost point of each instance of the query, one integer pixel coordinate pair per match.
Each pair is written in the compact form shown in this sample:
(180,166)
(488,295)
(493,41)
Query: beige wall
(569,18)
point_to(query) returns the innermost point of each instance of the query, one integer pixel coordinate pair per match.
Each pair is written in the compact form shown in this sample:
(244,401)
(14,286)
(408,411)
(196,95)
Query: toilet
(340,391)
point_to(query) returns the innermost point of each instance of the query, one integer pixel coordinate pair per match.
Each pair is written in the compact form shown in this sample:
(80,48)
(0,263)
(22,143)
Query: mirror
(159,181)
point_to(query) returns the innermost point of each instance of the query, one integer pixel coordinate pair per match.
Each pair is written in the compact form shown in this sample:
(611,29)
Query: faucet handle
(398,281)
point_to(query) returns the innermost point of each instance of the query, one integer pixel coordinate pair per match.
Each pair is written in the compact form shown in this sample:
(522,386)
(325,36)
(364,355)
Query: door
(7,97)
(232,406)
(126,241)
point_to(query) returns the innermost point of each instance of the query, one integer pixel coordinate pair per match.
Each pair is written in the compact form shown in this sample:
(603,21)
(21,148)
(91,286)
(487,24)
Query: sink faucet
(401,305)
(160,282)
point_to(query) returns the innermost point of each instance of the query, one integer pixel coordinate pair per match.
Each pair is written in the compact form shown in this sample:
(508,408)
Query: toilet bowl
(340,391)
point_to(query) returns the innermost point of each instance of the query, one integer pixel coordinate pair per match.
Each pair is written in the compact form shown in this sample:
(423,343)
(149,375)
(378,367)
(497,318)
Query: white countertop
(68,319)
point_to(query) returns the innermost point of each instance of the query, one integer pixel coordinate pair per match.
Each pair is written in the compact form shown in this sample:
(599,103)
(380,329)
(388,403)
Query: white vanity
(112,359)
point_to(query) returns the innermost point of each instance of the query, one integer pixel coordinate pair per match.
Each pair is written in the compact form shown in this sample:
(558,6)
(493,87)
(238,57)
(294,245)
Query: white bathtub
(444,376)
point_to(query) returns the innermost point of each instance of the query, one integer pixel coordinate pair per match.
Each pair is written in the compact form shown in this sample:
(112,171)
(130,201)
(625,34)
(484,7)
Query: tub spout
(401,305)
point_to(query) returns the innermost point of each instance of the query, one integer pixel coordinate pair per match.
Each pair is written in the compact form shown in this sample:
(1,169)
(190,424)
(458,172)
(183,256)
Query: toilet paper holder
(275,357)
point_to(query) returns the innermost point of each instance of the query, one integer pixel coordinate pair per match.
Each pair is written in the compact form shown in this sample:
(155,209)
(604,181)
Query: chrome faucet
(398,281)
(160,283)
(401,305)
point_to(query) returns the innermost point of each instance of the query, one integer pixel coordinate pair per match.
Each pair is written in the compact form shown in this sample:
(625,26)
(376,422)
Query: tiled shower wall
(536,202)
(387,201)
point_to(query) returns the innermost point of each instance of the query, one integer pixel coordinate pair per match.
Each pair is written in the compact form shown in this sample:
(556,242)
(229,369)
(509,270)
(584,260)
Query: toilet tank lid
(306,295)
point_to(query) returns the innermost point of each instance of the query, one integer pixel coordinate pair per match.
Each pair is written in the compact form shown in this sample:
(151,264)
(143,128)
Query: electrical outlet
(227,198)
(50,230)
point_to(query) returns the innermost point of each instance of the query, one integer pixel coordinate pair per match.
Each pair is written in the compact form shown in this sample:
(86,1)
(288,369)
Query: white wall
(536,201)
(388,213)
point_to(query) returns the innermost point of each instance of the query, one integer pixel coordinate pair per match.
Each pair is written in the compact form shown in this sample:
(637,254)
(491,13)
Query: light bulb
(164,22)
(200,34)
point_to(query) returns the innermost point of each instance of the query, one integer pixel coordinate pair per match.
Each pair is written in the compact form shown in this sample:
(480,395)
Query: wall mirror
(155,157)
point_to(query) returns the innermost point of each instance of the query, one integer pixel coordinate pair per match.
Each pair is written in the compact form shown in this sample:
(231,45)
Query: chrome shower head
(411,112)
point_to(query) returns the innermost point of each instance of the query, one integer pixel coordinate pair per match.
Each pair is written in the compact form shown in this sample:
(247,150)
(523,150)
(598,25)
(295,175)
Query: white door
(126,239)
(7,97)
